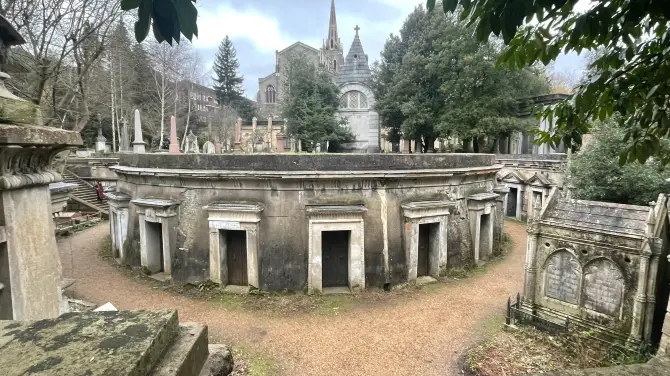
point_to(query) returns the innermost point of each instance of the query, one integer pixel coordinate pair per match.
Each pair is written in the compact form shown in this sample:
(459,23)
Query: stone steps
(85,194)
(191,355)
(124,343)
(188,353)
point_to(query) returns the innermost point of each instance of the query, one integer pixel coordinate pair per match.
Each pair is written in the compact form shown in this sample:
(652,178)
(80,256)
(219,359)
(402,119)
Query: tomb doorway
(6,311)
(335,255)
(512,202)
(428,249)
(236,256)
(155,256)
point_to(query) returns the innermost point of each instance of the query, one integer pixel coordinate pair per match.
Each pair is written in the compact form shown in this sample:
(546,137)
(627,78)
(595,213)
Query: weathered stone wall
(551,166)
(593,280)
(597,264)
(93,168)
(300,180)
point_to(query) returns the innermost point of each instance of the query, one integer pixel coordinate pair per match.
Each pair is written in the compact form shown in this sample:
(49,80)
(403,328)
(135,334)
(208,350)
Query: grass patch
(470,270)
(529,350)
(253,363)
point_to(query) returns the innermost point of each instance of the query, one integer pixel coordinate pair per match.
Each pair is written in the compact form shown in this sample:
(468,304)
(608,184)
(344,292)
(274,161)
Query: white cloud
(261,30)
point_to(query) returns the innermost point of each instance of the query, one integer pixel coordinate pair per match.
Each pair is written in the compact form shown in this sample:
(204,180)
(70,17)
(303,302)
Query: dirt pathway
(421,335)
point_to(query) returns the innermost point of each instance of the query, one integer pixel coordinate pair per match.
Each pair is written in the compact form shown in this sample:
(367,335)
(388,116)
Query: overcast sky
(259,27)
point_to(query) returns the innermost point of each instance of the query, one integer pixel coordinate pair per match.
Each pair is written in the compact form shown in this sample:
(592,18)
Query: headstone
(100,142)
(209,148)
(138,144)
(603,287)
(405,146)
(191,145)
(563,277)
(174,145)
(281,140)
(125,139)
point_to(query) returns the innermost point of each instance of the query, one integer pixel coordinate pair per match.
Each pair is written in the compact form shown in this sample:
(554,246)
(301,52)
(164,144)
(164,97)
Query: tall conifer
(228,81)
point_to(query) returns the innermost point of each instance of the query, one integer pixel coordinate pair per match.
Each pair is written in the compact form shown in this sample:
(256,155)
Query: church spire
(333,42)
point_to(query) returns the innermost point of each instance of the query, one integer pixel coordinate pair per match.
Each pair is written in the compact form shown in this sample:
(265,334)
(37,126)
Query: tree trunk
(188,116)
(111,75)
(160,143)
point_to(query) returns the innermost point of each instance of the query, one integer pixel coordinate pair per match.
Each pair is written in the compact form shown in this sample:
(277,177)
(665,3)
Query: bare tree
(226,116)
(63,37)
(168,64)
(192,74)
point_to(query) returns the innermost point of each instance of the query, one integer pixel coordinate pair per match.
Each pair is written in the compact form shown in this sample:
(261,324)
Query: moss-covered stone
(18,111)
(128,343)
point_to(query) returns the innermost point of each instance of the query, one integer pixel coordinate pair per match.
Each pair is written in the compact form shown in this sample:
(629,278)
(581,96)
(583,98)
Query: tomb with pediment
(599,265)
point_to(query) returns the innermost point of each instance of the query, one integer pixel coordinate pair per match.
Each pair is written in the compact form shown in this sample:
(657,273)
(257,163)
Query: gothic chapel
(351,74)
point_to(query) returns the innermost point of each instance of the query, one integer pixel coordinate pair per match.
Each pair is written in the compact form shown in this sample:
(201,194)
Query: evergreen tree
(436,80)
(310,104)
(228,82)
(595,173)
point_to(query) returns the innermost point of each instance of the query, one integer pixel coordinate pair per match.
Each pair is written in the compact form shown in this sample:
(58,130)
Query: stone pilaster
(654,260)
(530,269)
(640,301)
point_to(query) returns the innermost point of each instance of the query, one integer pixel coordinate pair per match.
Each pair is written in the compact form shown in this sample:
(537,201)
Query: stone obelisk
(138,144)
(174,145)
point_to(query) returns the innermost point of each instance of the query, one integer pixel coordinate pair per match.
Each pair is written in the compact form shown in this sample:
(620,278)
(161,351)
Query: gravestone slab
(563,277)
(128,343)
(208,148)
(603,287)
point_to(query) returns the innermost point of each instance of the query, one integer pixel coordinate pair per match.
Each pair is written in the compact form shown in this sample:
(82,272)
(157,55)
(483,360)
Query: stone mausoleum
(305,222)
(599,265)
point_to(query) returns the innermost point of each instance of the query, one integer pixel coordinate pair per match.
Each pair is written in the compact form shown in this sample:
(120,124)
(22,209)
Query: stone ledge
(308,162)
(321,174)
(37,135)
(128,343)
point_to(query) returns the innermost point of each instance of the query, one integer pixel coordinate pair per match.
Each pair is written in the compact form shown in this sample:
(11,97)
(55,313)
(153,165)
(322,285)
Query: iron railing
(517,315)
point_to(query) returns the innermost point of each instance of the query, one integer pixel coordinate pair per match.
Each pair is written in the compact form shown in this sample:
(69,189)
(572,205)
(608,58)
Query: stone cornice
(376,174)
(335,210)
(234,207)
(27,154)
(117,196)
(154,202)
(420,209)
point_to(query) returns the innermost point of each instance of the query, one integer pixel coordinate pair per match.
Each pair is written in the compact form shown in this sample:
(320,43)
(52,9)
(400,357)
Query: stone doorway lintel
(226,216)
(425,212)
(336,218)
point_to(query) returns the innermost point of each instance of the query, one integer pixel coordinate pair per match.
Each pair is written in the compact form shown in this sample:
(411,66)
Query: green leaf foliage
(596,174)
(436,80)
(629,79)
(169,19)
(309,102)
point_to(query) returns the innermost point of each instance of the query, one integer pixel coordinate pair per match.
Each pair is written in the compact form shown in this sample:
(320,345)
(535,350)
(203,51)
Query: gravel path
(420,334)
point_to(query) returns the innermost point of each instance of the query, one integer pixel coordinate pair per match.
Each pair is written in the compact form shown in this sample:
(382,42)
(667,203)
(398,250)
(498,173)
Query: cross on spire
(357,28)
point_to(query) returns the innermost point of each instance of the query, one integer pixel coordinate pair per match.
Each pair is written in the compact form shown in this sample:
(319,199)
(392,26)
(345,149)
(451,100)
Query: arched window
(334,64)
(331,43)
(270,95)
(354,100)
